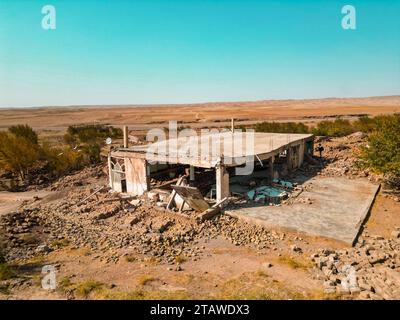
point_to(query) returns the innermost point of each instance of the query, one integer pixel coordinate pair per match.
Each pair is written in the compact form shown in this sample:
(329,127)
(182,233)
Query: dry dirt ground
(51,121)
(223,271)
(119,250)
(11,201)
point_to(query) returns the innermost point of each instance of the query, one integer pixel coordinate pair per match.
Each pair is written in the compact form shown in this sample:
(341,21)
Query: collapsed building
(212,162)
(197,175)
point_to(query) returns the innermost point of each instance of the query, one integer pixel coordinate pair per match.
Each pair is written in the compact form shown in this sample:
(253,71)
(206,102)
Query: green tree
(24,131)
(382,154)
(281,127)
(61,160)
(90,139)
(365,124)
(17,154)
(337,128)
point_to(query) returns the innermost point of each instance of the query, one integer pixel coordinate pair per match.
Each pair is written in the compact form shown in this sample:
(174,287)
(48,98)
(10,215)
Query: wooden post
(222,182)
(233,125)
(110,174)
(125,130)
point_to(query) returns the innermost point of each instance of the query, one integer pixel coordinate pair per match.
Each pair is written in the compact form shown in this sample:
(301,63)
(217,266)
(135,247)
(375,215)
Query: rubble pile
(16,230)
(370,270)
(106,224)
(84,176)
(241,233)
(340,157)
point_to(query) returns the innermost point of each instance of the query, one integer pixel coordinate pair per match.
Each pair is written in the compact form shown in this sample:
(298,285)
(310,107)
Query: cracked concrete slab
(338,209)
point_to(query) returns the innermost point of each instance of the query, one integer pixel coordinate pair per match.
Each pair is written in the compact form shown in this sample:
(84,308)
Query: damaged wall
(137,181)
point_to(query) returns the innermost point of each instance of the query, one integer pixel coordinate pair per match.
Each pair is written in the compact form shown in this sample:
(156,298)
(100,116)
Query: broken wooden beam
(192,196)
(211,212)
(116,199)
(90,195)
(173,194)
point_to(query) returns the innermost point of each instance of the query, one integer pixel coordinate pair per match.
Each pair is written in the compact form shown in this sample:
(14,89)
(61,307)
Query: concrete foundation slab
(338,209)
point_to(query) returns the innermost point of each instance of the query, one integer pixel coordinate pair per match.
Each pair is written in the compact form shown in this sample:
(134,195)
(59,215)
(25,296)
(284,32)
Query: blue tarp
(267,194)
(286,184)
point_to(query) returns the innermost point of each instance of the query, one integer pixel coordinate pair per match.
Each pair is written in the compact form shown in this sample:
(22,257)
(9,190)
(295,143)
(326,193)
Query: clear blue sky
(177,51)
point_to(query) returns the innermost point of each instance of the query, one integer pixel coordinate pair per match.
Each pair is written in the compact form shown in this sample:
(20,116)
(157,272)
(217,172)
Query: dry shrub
(87,287)
(145,279)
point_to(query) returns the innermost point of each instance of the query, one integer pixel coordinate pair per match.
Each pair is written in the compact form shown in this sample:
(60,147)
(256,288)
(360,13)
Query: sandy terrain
(199,114)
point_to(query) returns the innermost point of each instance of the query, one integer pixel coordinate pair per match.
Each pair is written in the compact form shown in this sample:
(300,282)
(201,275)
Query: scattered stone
(153,196)
(329,287)
(370,270)
(178,268)
(135,202)
(395,234)
(43,249)
(295,248)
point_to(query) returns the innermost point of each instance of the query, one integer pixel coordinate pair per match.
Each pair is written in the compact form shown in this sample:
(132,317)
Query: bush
(91,133)
(92,153)
(88,286)
(17,154)
(337,128)
(90,139)
(6,272)
(281,127)
(382,154)
(21,155)
(61,160)
(2,258)
(24,131)
(365,124)
(145,279)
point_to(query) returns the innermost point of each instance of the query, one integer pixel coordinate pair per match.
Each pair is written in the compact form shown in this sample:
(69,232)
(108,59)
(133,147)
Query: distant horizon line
(190,103)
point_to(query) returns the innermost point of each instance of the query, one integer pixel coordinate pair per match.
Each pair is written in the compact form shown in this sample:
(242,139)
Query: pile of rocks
(340,157)
(241,233)
(18,235)
(370,270)
(80,178)
(107,226)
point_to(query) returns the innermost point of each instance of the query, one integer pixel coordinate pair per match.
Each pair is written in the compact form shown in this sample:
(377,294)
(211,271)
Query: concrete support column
(222,182)
(301,154)
(125,131)
(312,148)
(271,168)
(191,173)
(289,159)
